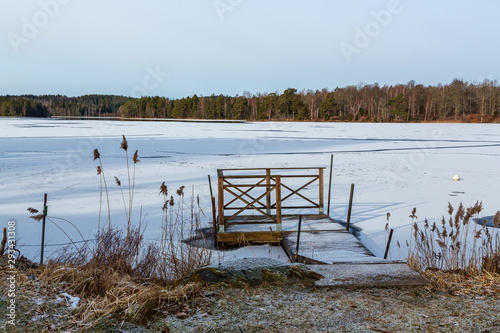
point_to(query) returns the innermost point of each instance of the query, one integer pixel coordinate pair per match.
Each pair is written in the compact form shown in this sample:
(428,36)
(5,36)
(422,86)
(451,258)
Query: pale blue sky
(82,47)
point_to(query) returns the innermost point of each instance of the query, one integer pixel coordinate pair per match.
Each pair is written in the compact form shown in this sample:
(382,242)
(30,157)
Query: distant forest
(459,101)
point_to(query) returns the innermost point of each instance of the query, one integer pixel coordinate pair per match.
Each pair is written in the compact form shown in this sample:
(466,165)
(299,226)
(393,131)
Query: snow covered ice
(395,167)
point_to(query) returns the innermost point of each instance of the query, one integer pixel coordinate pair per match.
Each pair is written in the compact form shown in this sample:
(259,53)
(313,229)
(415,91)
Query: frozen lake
(395,167)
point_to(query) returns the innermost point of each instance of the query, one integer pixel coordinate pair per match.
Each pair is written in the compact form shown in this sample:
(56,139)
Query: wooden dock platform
(251,229)
(322,240)
(250,211)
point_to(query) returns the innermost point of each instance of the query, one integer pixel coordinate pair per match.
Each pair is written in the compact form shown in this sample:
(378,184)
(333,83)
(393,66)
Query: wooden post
(43,227)
(220,178)
(278,203)
(4,241)
(350,208)
(214,216)
(388,244)
(330,186)
(210,184)
(298,238)
(268,195)
(321,193)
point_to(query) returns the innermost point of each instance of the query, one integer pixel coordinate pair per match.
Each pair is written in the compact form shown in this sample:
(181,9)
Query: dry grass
(121,276)
(454,245)
(124,278)
(455,257)
(110,294)
(463,284)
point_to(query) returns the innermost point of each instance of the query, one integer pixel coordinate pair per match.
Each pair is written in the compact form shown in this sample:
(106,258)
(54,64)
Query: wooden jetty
(251,206)
(266,194)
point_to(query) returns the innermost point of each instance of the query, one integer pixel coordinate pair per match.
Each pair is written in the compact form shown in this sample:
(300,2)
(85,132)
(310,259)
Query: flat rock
(251,270)
(376,275)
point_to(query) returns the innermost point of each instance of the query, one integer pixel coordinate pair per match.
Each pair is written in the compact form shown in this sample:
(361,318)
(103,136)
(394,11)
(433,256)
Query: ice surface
(395,167)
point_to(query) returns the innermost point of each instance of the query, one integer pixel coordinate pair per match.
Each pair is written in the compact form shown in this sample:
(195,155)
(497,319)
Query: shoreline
(470,120)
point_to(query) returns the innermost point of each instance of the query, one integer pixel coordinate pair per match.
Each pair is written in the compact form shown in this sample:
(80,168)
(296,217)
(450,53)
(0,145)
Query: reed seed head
(496,219)
(99,170)
(163,189)
(32,210)
(124,144)
(136,157)
(38,217)
(450,209)
(96,154)
(171,202)
(180,191)
(118,182)
(413,212)
(477,208)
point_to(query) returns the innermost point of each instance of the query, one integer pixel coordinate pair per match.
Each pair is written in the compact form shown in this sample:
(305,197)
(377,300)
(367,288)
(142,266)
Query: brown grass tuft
(462,284)
(106,292)
(455,247)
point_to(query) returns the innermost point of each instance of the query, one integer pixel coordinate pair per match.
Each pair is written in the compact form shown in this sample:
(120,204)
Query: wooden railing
(269,183)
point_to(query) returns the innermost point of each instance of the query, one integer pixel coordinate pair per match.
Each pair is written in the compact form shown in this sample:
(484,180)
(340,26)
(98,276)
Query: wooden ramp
(327,247)
(322,240)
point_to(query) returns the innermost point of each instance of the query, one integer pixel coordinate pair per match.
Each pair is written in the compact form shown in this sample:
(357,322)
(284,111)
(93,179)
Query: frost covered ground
(395,167)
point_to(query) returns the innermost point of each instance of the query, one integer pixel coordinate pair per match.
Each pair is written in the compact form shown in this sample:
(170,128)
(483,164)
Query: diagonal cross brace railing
(272,184)
(251,204)
(237,187)
(296,192)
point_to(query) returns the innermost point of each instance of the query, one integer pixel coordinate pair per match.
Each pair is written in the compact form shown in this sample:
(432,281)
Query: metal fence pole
(298,238)
(350,208)
(330,186)
(43,227)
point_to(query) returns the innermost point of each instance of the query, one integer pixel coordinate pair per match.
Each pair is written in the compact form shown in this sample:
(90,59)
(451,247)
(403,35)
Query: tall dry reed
(453,245)
(121,274)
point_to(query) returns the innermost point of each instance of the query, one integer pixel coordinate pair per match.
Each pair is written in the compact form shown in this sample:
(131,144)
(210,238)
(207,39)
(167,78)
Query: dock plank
(330,247)
(252,223)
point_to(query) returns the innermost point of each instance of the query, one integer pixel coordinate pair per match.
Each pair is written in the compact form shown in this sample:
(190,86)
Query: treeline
(58,105)
(460,100)
(21,107)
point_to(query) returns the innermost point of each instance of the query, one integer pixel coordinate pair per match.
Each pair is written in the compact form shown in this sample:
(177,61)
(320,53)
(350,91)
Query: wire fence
(61,244)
